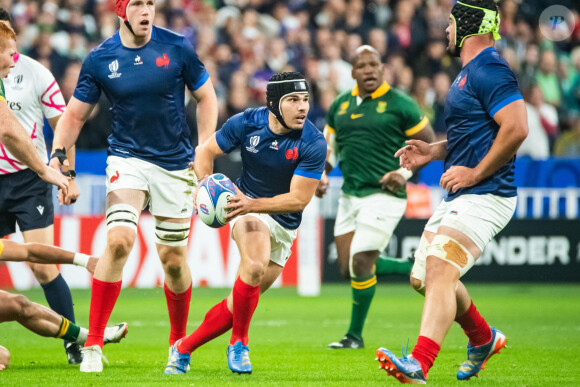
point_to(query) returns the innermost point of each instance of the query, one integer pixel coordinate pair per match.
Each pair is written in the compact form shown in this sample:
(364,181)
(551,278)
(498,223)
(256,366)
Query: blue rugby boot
(239,359)
(405,369)
(178,362)
(478,356)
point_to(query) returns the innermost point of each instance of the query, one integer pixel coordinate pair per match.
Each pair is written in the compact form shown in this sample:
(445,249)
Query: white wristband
(81,260)
(405,173)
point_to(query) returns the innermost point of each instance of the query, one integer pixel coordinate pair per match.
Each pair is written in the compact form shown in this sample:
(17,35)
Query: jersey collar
(379,92)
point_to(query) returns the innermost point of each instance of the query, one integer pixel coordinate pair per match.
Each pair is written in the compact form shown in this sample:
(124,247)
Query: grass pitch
(289,337)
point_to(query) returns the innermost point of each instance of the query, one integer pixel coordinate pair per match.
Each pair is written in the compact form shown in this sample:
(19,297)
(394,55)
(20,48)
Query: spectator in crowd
(568,143)
(547,78)
(315,37)
(537,144)
(441,84)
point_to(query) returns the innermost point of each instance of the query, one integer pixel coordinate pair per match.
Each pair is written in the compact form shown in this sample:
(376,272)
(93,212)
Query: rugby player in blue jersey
(143,70)
(283,156)
(486,123)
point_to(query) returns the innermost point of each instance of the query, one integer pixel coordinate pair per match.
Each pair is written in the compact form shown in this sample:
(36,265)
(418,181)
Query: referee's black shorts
(27,199)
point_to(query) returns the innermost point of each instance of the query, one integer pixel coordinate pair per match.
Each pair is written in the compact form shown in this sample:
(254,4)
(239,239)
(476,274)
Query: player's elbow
(7,134)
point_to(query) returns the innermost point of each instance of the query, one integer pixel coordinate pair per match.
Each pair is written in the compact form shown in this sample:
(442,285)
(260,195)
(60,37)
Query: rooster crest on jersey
(212,197)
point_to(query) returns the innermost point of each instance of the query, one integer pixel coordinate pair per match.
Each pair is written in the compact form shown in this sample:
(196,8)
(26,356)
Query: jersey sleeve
(330,118)
(51,99)
(88,89)
(195,73)
(497,91)
(2,92)
(229,137)
(313,159)
(413,118)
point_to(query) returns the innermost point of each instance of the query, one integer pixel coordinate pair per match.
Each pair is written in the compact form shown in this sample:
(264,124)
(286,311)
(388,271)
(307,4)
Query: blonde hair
(6,34)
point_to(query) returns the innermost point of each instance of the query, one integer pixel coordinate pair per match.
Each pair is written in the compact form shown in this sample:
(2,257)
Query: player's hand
(92,265)
(71,196)
(458,177)
(414,154)
(322,186)
(392,181)
(54,176)
(238,205)
(199,182)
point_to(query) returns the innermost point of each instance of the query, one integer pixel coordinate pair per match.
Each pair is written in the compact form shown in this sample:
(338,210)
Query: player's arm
(73,192)
(513,130)
(205,154)
(301,192)
(67,130)
(14,137)
(207,111)
(44,254)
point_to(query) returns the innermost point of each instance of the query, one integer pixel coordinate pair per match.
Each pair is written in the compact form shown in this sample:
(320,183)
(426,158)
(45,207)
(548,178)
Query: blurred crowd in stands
(243,42)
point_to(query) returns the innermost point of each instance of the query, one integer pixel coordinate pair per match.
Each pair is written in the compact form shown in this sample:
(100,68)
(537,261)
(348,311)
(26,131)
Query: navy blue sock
(59,298)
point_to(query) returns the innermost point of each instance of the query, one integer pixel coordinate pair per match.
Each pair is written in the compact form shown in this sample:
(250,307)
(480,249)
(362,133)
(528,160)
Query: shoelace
(85,350)
(406,350)
(238,352)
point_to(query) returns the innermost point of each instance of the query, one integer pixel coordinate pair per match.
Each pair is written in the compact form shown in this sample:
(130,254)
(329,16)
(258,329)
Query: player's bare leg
(35,317)
(217,321)
(253,239)
(343,243)
(177,283)
(360,270)
(109,272)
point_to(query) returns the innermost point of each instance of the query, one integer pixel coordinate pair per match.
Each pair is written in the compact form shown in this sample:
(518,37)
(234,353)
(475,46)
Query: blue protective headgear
(282,85)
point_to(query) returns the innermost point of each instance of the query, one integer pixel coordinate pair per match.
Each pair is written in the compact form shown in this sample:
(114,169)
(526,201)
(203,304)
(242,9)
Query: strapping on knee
(122,215)
(419,267)
(171,234)
(450,250)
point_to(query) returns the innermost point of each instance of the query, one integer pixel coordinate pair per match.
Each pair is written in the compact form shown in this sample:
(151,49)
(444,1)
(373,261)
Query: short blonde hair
(6,34)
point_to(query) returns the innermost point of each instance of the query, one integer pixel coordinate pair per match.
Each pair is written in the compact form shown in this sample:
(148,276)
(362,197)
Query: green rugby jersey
(368,133)
(2,92)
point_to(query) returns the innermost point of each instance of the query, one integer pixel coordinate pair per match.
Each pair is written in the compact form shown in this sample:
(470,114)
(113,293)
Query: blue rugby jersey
(484,86)
(270,160)
(146,88)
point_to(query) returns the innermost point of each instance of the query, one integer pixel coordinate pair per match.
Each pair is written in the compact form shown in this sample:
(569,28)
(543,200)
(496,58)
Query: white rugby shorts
(170,193)
(380,211)
(281,239)
(480,217)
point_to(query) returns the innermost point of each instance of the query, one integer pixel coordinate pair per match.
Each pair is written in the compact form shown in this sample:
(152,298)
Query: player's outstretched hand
(458,177)
(392,181)
(414,154)
(71,196)
(322,186)
(54,176)
(92,265)
(238,205)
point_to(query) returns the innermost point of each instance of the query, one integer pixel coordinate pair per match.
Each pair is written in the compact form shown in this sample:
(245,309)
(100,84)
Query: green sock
(68,331)
(363,291)
(389,265)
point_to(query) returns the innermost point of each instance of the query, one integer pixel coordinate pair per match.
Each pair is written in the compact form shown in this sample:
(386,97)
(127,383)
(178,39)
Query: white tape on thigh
(171,234)
(419,267)
(366,238)
(450,250)
(122,215)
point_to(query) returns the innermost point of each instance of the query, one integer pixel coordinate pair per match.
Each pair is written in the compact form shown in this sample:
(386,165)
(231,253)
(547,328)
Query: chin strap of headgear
(121,10)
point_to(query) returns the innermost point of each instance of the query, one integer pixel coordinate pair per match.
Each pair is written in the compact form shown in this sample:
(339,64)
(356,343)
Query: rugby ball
(212,197)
